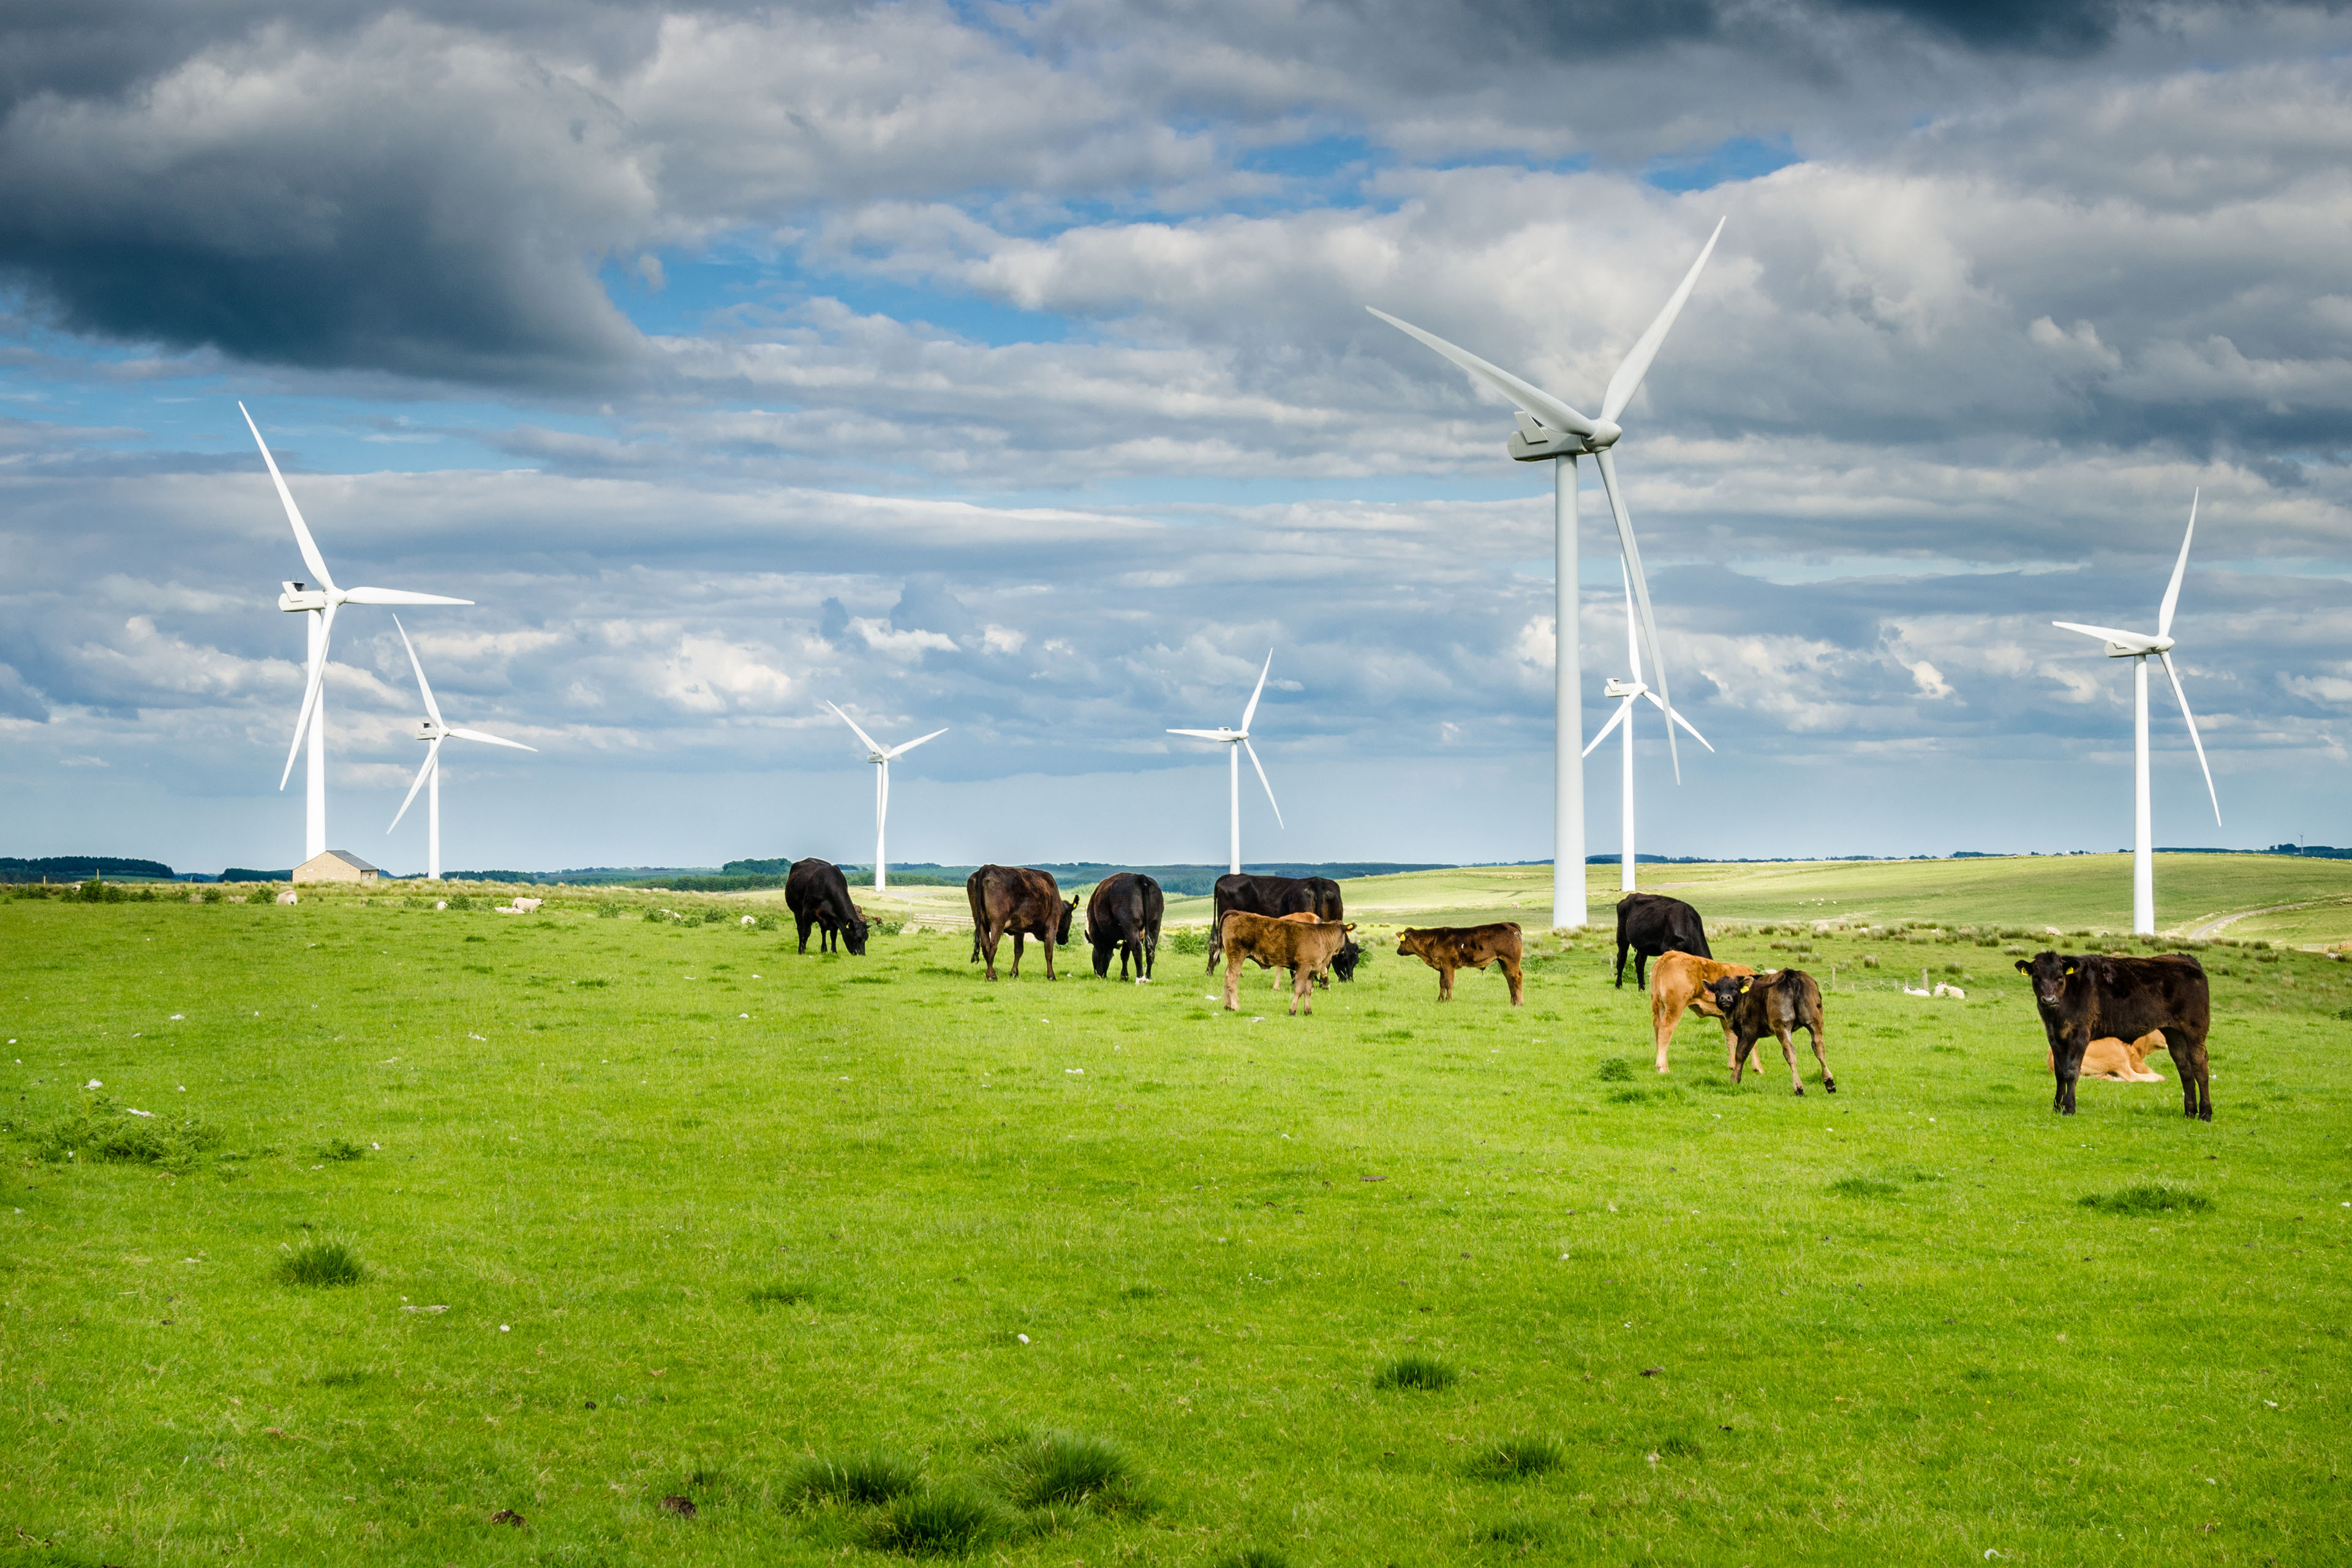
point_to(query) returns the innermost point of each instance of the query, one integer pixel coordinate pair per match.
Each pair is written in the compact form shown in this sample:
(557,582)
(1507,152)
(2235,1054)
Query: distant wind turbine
(433,730)
(320,604)
(880,756)
(1549,428)
(1629,693)
(2141,646)
(1237,741)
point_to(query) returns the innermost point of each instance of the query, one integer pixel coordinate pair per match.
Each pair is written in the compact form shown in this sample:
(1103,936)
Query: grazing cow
(2118,1061)
(1680,981)
(1123,917)
(818,895)
(1275,897)
(1653,924)
(1777,1002)
(1448,948)
(1304,946)
(1021,902)
(2083,996)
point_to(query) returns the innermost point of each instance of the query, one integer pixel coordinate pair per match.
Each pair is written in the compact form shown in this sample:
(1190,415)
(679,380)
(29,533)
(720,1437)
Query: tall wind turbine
(2141,647)
(1551,430)
(1235,742)
(320,604)
(880,756)
(1629,693)
(433,730)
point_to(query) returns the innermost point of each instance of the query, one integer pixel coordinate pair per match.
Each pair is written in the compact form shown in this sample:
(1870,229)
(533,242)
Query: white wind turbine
(320,604)
(2141,647)
(1628,693)
(1235,742)
(880,756)
(1549,428)
(433,730)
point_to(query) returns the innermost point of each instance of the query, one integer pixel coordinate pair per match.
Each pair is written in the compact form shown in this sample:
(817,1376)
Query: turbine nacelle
(1619,688)
(299,597)
(2123,644)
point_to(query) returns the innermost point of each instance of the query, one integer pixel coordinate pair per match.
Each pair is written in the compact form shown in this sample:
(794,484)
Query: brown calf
(1680,981)
(1777,1002)
(1304,947)
(2117,1062)
(1448,948)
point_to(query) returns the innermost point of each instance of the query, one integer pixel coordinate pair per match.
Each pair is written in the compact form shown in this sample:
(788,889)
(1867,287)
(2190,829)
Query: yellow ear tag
(1743,985)
(2070,968)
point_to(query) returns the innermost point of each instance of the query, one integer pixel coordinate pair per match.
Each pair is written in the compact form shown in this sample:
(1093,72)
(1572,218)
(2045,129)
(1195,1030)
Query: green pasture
(857,1257)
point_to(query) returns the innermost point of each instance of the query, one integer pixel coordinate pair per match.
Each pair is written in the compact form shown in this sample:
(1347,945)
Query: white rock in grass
(93,1084)
(1023,1338)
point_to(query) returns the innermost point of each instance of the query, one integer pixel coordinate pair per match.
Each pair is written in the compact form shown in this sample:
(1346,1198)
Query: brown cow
(2112,1059)
(1305,947)
(1777,1002)
(1680,981)
(1021,902)
(1448,948)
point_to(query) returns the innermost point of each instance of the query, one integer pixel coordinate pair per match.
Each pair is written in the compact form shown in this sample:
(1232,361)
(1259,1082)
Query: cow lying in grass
(1778,1002)
(1302,945)
(2083,996)
(1679,981)
(2117,1061)
(1448,948)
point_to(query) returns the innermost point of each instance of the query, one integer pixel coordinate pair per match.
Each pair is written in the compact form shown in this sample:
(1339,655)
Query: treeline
(81,869)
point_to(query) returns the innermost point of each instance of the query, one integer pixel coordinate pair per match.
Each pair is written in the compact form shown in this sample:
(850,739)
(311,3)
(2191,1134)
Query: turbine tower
(2141,647)
(433,730)
(880,756)
(1235,742)
(1629,693)
(320,604)
(1551,430)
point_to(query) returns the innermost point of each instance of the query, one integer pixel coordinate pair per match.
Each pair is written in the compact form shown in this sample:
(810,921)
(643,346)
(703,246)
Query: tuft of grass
(1517,1459)
(1677,1446)
(1416,1372)
(2149,1197)
(1616,1069)
(1863,1187)
(1254,1557)
(1064,1470)
(1523,1533)
(867,1480)
(782,1293)
(105,1129)
(341,1149)
(942,1521)
(321,1262)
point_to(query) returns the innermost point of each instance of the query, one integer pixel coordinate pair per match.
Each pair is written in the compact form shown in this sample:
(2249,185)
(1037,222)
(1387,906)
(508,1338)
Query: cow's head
(853,932)
(1412,944)
(1726,991)
(1062,926)
(1344,962)
(2052,973)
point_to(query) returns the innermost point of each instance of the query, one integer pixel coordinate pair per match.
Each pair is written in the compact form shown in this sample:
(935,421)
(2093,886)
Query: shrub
(866,1479)
(874,927)
(945,1522)
(461,900)
(608,910)
(1188,940)
(2149,1197)
(1516,1458)
(1416,1372)
(321,1262)
(1065,1469)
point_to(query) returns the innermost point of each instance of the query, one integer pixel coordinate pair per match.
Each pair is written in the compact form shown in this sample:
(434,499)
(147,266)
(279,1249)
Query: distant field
(647,1210)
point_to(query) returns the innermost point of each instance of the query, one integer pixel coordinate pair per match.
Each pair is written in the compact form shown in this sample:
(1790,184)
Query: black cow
(1021,902)
(2082,997)
(1275,897)
(1123,917)
(1652,924)
(818,895)
(1778,1003)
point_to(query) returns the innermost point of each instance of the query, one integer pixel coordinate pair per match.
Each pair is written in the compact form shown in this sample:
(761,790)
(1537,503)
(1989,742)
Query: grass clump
(322,1262)
(2149,1197)
(1188,940)
(1616,1069)
(1517,1459)
(943,1522)
(1067,1470)
(1863,1187)
(1523,1533)
(866,1479)
(1254,1557)
(339,1149)
(782,1293)
(1416,1372)
(105,1129)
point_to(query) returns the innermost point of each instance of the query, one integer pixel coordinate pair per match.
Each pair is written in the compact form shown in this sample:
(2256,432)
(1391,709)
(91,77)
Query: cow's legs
(1017,935)
(1233,983)
(1828,1084)
(1743,1051)
(985,938)
(1621,963)
(803,922)
(1302,989)
(1665,1012)
(1046,942)
(1446,985)
(1782,1032)
(2189,1060)
(1518,982)
(2069,1056)
(1640,969)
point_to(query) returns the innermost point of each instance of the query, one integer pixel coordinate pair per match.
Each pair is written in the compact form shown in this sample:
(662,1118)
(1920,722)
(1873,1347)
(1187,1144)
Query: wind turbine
(2141,647)
(1237,741)
(433,730)
(1629,692)
(880,756)
(320,604)
(1549,428)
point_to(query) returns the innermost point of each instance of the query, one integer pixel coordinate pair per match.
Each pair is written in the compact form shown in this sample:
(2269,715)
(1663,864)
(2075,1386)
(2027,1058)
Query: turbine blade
(2172,592)
(853,724)
(1628,379)
(489,739)
(395,596)
(1204,735)
(2105,634)
(1633,647)
(901,751)
(1614,720)
(1532,398)
(1679,718)
(302,540)
(432,708)
(1608,464)
(1250,712)
(310,691)
(2182,698)
(1262,779)
(432,760)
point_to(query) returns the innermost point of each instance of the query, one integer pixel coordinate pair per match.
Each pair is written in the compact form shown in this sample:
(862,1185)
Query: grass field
(649,1211)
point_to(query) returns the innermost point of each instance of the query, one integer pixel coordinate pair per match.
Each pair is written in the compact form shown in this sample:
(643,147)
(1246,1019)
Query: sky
(1007,367)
